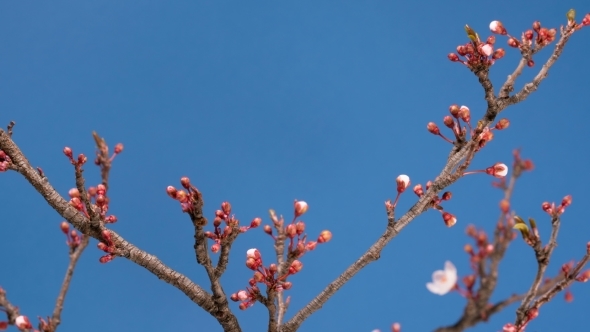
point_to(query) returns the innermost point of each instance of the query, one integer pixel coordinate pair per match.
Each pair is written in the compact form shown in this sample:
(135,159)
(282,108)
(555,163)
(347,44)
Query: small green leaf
(533,223)
(523,228)
(571,15)
(471,34)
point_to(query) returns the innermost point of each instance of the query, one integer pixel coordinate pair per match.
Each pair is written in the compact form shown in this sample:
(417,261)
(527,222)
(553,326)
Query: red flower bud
(325,236)
(68,152)
(453,57)
(118,148)
(433,128)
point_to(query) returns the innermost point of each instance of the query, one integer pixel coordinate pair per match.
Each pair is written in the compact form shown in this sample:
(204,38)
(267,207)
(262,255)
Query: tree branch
(20,163)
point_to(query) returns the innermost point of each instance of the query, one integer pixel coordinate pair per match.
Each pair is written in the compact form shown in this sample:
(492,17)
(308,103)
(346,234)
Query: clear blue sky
(261,103)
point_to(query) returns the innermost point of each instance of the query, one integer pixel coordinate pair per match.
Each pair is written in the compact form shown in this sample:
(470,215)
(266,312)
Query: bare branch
(74,256)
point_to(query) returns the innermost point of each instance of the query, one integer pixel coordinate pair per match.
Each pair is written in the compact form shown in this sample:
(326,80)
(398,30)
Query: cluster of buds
(263,275)
(295,231)
(98,199)
(72,238)
(107,246)
(449,219)
(478,54)
(480,249)
(453,122)
(4,161)
(186,198)
(553,210)
(224,214)
(81,160)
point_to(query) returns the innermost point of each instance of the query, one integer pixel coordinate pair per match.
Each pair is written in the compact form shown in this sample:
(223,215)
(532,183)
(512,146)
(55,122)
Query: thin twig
(74,257)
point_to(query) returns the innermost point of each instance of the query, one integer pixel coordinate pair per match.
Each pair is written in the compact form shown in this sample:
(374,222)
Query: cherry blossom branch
(532,86)
(462,151)
(77,250)
(542,255)
(124,249)
(562,284)
(467,321)
(75,254)
(477,308)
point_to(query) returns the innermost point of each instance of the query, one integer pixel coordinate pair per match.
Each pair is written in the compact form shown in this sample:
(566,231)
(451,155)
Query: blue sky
(262,103)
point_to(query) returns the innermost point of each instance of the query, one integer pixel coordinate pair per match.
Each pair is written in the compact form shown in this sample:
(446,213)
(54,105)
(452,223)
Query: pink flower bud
(504,206)
(253,253)
(464,113)
(528,35)
(267,229)
(300,208)
(537,26)
(418,190)
(449,122)
(403,181)
(65,227)
(185,182)
(498,54)
(291,230)
(396,327)
(498,170)
(449,219)
(566,201)
(513,42)
(461,50)
(295,267)
(453,57)
(530,63)
(486,49)
(22,322)
(446,196)
(255,222)
(110,219)
(454,109)
(491,40)
(325,236)
(119,148)
(502,124)
(82,159)
(433,128)
(106,258)
(68,152)
(226,208)
(215,248)
(300,227)
(73,193)
(311,245)
(497,28)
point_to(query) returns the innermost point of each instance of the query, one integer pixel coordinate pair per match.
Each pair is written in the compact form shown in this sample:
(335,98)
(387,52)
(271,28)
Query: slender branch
(563,284)
(477,308)
(542,254)
(532,86)
(75,254)
(223,313)
(444,179)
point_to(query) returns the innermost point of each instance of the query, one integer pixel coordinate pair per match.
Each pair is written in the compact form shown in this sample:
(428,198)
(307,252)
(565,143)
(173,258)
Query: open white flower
(443,281)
